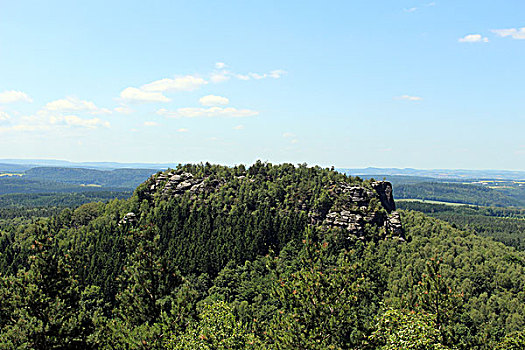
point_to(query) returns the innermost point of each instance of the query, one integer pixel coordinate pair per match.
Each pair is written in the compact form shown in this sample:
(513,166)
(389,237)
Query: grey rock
(394,225)
(184,185)
(384,190)
(175,178)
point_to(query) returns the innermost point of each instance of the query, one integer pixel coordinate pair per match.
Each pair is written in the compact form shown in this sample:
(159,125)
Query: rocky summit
(353,206)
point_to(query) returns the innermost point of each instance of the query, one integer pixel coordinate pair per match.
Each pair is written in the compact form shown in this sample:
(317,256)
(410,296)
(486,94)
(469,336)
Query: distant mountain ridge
(31,163)
(25,164)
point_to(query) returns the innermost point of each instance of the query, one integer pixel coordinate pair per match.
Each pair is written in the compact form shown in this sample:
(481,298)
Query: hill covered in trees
(267,256)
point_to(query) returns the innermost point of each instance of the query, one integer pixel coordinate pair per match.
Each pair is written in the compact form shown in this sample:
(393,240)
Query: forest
(463,193)
(261,257)
(506,225)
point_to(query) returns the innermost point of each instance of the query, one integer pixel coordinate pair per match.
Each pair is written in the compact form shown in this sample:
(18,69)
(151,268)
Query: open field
(429,201)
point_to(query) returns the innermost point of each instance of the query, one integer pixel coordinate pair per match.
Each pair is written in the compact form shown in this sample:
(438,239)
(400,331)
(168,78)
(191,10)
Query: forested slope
(506,225)
(270,256)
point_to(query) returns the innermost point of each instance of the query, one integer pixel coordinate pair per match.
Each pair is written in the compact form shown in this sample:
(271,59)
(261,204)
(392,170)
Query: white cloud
(257,76)
(473,38)
(14,96)
(182,130)
(410,98)
(514,33)
(213,100)
(414,9)
(123,110)
(220,65)
(238,127)
(294,141)
(186,83)
(73,104)
(196,112)
(219,77)
(223,75)
(40,122)
(73,120)
(4,115)
(275,74)
(242,77)
(137,95)
(151,124)
(153,92)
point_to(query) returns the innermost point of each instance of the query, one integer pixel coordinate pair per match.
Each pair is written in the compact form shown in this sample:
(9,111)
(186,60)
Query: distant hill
(31,163)
(9,168)
(118,178)
(439,173)
(486,192)
(64,186)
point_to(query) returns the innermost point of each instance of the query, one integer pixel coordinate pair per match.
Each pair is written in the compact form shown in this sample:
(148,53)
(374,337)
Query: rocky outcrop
(360,196)
(176,183)
(394,225)
(356,206)
(384,191)
(355,210)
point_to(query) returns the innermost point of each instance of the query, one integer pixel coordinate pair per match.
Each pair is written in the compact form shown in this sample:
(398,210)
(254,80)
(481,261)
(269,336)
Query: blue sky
(346,83)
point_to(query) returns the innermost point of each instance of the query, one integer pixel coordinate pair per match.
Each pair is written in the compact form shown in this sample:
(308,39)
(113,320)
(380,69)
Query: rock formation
(356,206)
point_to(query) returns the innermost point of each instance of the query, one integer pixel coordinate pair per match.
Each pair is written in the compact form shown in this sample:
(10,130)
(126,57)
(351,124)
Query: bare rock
(394,225)
(384,190)
(184,185)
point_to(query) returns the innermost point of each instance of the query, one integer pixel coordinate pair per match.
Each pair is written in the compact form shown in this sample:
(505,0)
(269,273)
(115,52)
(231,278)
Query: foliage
(45,307)
(402,330)
(318,301)
(506,225)
(462,193)
(216,328)
(513,341)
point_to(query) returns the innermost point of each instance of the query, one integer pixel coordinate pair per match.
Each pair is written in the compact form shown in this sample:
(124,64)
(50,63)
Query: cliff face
(349,206)
(361,206)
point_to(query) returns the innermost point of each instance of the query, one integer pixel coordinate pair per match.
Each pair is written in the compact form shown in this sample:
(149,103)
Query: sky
(421,84)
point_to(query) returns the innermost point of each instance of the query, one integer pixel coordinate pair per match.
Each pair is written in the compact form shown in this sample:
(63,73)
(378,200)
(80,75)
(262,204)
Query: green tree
(399,330)
(218,329)
(318,301)
(152,302)
(513,341)
(45,307)
(434,296)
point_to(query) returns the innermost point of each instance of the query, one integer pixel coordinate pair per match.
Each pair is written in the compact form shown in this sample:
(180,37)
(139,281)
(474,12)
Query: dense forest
(260,257)
(54,199)
(117,178)
(40,180)
(463,193)
(506,225)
